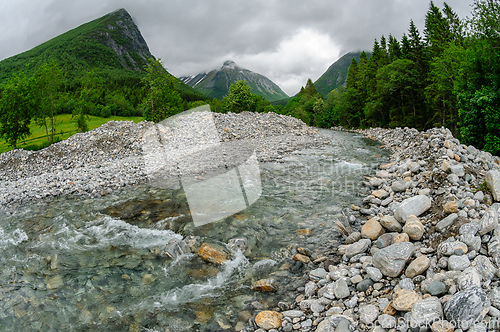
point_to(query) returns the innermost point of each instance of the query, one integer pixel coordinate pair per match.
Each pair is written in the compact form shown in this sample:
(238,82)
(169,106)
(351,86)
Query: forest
(449,76)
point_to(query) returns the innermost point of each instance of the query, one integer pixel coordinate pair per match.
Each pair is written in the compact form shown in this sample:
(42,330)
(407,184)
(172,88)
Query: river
(75,264)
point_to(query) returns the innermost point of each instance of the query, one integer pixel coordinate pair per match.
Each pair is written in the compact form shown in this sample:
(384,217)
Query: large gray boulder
(392,259)
(467,306)
(415,205)
(492,179)
(489,221)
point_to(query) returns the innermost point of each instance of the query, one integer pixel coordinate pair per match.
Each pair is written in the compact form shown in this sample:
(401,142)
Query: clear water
(75,264)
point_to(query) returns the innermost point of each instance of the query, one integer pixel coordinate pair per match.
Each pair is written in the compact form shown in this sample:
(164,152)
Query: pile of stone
(424,253)
(111,157)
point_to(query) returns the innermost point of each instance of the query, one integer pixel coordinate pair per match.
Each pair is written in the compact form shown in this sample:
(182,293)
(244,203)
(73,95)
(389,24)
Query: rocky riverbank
(108,158)
(423,253)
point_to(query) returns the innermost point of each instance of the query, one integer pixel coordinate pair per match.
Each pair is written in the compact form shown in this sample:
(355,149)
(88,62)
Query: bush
(106,112)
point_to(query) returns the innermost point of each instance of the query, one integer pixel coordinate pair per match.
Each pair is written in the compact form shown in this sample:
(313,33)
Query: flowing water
(77,264)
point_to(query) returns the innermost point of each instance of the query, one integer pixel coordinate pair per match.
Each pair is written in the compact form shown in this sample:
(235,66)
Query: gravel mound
(110,157)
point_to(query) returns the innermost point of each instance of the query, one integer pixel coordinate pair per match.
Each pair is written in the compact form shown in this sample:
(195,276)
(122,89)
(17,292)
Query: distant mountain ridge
(216,82)
(336,75)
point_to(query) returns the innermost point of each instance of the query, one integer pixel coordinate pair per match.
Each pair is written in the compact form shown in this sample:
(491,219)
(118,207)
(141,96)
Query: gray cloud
(286,40)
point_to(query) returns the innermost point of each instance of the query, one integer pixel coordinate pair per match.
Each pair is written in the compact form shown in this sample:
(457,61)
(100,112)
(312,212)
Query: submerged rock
(213,253)
(265,285)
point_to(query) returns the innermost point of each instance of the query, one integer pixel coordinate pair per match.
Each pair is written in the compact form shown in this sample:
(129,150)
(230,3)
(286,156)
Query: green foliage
(239,99)
(16,104)
(162,99)
(46,93)
(445,79)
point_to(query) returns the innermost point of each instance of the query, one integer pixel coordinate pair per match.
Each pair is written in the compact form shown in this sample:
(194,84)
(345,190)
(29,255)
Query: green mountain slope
(336,75)
(112,46)
(216,83)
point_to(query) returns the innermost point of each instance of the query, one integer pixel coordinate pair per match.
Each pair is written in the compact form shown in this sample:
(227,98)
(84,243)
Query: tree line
(449,76)
(39,98)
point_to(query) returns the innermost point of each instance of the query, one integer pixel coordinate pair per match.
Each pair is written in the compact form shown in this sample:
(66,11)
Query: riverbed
(81,264)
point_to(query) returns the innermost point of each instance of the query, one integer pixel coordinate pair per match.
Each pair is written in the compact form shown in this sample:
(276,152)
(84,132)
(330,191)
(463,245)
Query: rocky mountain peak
(229,64)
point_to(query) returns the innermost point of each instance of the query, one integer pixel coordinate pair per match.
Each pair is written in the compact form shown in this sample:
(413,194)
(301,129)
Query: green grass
(63,123)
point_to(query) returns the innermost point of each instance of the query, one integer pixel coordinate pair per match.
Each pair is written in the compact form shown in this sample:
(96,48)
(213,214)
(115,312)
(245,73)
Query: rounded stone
(269,320)
(372,229)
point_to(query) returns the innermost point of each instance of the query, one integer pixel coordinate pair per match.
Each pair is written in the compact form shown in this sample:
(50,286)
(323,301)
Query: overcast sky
(288,41)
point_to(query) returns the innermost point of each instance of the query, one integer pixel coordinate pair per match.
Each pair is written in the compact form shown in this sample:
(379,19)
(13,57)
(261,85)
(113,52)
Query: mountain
(112,46)
(216,82)
(336,74)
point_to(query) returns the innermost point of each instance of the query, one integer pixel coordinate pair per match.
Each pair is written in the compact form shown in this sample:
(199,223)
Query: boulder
(492,179)
(404,299)
(269,320)
(451,207)
(403,237)
(425,312)
(418,266)
(390,223)
(356,248)
(265,285)
(368,314)
(469,278)
(458,263)
(488,222)
(466,306)
(371,230)
(415,205)
(392,259)
(448,248)
(213,253)
(485,267)
(176,247)
(446,222)
(414,228)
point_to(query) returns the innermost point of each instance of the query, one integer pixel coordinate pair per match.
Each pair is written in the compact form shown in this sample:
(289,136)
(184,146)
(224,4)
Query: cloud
(286,40)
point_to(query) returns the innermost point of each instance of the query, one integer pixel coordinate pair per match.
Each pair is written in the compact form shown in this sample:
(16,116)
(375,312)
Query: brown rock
(269,320)
(414,228)
(403,237)
(148,278)
(451,207)
(389,310)
(372,230)
(386,166)
(418,266)
(456,157)
(265,285)
(303,232)
(213,253)
(405,299)
(380,193)
(302,258)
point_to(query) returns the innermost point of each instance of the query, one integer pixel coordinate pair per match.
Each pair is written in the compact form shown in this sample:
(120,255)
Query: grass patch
(38,138)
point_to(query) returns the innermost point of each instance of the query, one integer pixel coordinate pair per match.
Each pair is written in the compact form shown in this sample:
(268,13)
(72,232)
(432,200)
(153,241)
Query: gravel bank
(111,157)
(423,253)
